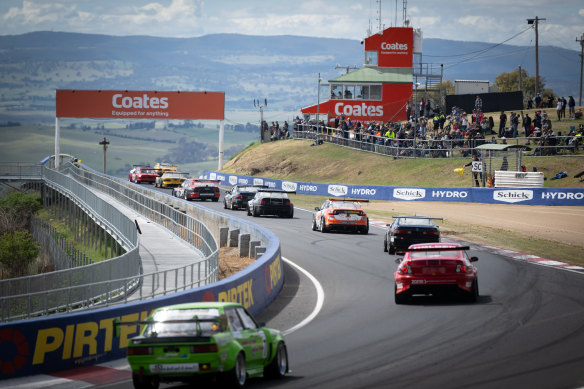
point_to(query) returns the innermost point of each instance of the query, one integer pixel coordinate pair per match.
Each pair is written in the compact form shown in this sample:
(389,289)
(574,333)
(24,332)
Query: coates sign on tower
(104,104)
(394,47)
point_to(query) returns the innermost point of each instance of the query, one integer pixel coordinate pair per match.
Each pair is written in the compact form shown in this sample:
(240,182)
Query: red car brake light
(460,268)
(402,232)
(287,202)
(139,351)
(239,197)
(263,202)
(431,232)
(405,269)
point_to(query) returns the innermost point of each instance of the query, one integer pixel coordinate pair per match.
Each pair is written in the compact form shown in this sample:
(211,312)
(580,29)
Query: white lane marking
(319,299)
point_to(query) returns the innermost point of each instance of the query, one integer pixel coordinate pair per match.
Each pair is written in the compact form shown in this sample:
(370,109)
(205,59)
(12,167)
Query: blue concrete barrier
(63,342)
(525,196)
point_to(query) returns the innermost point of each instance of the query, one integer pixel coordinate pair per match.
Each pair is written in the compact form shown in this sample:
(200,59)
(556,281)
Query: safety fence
(435,147)
(86,337)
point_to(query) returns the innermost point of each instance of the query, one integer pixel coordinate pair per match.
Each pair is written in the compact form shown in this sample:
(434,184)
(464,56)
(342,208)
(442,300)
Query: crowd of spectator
(436,134)
(274,131)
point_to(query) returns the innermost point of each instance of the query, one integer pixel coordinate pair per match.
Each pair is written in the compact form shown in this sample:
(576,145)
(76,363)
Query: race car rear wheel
(237,376)
(391,249)
(473,295)
(314,228)
(323,228)
(385,246)
(279,365)
(145,382)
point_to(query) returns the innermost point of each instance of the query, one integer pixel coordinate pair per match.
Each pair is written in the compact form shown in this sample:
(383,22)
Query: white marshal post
(57,145)
(221,133)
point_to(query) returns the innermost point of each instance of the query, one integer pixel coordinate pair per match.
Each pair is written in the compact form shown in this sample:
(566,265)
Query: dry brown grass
(230,262)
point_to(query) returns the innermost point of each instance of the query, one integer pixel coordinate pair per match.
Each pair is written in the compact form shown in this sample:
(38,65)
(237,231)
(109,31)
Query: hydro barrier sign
(68,341)
(527,196)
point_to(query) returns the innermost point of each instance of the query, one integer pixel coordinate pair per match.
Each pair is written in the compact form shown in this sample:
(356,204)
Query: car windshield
(447,254)
(274,195)
(184,322)
(175,175)
(415,221)
(249,189)
(346,204)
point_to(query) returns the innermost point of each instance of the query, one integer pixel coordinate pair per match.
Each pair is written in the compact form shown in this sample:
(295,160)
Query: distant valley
(282,69)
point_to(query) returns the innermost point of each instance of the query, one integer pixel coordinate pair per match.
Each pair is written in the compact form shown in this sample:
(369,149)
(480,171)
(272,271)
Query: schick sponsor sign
(512,196)
(289,186)
(232,180)
(409,193)
(338,190)
(258,181)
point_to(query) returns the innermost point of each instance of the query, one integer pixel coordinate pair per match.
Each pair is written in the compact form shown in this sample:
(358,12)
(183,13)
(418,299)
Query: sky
(494,21)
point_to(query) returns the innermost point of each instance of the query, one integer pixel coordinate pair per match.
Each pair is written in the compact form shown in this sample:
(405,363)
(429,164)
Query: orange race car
(340,214)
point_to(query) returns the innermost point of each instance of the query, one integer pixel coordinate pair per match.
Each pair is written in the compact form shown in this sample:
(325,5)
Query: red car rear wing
(422,249)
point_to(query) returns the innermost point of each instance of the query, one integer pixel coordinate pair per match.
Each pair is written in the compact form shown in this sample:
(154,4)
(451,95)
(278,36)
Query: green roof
(376,74)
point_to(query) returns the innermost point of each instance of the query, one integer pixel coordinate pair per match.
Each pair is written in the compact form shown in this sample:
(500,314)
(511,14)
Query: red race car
(431,268)
(140,174)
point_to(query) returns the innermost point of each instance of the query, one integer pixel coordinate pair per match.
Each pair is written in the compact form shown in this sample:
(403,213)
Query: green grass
(32,143)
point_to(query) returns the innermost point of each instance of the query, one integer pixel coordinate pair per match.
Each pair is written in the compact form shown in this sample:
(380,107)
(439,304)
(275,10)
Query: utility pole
(581,40)
(347,68)
(104,143)
(318,100)
(536,22)
(257,104)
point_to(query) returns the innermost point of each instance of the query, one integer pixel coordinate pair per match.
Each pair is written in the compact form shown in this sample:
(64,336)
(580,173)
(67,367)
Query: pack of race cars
(425,265)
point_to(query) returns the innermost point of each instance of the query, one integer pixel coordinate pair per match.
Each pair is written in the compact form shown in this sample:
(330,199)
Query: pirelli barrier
(524,196)
(68,341)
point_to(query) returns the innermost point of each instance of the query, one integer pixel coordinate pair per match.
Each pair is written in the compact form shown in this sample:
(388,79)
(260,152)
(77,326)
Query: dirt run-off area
(560,224)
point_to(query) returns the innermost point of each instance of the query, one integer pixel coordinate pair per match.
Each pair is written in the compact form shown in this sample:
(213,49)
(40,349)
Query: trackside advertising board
(123,104)
(68,341)
(527,196)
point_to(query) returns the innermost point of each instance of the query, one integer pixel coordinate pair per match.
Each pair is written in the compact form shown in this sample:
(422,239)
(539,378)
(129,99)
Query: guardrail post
(252,247)
(233,237)
(243,243)
(259,250)
(223,233)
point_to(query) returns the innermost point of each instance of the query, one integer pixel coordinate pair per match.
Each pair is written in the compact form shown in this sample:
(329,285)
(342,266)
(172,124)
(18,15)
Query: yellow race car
(170,179)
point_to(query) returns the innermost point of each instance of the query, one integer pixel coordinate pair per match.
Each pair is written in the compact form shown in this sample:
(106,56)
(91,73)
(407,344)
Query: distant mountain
(281,68)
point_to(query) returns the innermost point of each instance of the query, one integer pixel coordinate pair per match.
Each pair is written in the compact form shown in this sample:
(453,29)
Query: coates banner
(395,47)
(111,104)
(528,196)
(68,341)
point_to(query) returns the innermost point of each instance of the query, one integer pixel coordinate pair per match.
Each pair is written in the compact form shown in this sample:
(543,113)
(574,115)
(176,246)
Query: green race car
(219,341)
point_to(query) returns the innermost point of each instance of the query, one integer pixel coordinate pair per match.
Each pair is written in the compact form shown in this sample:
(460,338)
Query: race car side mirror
(398,260)
(227,192)
(316,208)
(474,259)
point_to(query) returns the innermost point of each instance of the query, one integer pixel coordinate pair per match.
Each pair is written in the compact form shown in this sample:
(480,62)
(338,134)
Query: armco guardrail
(525,196)
(84,338)
(83,286)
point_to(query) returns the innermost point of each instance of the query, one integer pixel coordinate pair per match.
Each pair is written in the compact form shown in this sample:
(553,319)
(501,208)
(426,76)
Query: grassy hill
(327,163)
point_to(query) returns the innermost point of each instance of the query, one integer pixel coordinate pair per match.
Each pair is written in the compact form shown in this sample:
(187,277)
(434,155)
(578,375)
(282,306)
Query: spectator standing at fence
(478,103)
(514,120)
(526,125)
(538,101)
(571,106)
(559,109)
(502,124)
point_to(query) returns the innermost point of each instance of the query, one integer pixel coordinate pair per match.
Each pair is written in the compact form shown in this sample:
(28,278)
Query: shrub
(18,250)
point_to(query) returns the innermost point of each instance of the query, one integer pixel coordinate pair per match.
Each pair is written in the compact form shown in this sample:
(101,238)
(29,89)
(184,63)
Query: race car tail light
(239,197)
(138,351)
(405,269)
(431,232)
(263,202)
(463,269)
(402,232)
(287,202)
(203,348)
